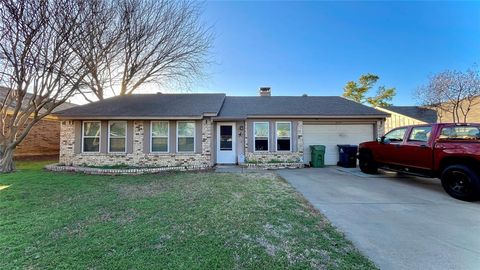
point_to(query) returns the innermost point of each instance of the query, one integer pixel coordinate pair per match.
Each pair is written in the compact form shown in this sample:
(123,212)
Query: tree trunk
(123,88)
(6,161)
(457,115)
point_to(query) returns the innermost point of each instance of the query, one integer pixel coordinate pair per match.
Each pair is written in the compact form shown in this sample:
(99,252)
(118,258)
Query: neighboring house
(407,115)
(43,140)
(206,129)
(473,116)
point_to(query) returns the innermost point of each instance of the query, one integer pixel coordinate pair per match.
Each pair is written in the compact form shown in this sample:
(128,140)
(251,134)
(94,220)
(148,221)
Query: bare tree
(452,94)
(100,49)
(38,64)
(143,41)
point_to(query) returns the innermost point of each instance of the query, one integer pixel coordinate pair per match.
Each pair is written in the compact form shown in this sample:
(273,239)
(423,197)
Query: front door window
(226,142)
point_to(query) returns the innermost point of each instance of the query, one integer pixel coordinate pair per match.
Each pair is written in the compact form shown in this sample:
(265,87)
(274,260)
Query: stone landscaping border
(275,166)
(133,171)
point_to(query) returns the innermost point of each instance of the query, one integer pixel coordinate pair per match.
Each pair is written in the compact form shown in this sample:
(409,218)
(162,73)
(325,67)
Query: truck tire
(367,163)
(461,182)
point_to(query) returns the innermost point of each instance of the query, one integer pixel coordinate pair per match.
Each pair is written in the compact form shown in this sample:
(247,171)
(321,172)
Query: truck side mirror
(382,139)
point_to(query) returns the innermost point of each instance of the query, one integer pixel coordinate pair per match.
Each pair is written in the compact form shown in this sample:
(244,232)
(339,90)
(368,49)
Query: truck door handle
(423,146)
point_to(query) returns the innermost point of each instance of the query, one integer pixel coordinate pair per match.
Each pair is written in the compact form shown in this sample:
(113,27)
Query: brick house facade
(137,152)
(42,140)
(201,130)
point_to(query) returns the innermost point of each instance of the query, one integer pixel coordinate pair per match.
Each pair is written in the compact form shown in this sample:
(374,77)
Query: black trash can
(347,155)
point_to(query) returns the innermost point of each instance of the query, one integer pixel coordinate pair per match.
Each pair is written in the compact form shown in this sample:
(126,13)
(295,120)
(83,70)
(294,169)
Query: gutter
(130,117)
(318,116)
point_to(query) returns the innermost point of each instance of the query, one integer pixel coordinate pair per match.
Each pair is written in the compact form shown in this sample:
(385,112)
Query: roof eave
(319,116)
(229,118)
(79,117)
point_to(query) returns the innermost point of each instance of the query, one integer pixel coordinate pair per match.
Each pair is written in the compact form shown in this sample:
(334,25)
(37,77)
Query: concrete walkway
(399,222)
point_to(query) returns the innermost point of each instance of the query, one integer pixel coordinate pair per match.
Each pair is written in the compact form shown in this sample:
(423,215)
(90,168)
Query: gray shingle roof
(221,106)
(150,105)
(326,106)
(63,106)
(420,113)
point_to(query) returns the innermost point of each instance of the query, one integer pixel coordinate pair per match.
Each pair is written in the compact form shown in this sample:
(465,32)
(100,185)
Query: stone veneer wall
(138,157)
(380,125)
(272,156)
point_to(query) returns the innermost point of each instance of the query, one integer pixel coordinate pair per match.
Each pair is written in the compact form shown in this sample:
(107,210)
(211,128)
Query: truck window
(460,133)
(396,135)
(420,134)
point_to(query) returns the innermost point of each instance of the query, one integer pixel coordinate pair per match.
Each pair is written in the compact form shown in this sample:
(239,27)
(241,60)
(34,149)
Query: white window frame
(276,136)
(268,137)
(99,137)
(194,135)
(151,136)
(108,137)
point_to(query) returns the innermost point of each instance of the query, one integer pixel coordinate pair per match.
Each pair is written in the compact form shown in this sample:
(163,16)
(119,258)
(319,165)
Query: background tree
(38,40)
(358,91)
(452,94)
(134,42)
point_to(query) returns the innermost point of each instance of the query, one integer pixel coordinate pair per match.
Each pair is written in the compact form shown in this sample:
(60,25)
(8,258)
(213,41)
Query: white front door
(226,146)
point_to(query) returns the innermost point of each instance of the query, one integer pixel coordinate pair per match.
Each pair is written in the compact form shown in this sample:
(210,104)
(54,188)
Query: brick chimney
(265,91)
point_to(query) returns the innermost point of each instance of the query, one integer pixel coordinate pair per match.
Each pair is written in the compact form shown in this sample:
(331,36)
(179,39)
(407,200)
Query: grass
(170,221)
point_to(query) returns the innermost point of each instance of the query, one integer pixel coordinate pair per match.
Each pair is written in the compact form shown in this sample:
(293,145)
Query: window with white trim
(185,136)
(91,136)
(284,136)
(261,132)
(159,136)
(117,136)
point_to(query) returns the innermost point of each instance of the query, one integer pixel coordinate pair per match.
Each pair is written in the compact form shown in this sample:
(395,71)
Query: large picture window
(117,134)
(261,133)
(91,136)
(159,135)
(284,134)
(185,136)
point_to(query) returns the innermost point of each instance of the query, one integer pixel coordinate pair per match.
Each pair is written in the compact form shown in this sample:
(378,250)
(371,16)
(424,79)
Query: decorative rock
(275,166)
(137,171)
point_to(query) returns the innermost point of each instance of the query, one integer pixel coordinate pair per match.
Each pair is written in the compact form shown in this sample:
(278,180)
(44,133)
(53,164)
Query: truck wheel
(367,163)
(461,182)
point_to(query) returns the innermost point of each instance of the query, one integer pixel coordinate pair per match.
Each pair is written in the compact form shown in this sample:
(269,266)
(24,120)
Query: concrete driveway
(400,222)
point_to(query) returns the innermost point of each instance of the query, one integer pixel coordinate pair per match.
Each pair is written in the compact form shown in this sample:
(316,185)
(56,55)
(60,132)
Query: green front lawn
(171,221)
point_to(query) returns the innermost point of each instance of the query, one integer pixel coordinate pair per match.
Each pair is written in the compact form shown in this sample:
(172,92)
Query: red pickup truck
(450,152)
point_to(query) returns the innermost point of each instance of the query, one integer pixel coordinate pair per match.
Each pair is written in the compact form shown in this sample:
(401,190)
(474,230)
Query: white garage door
(331,135)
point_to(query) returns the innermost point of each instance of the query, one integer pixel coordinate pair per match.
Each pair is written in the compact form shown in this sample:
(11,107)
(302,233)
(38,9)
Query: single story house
(207,129)
(408,115)
(43,140)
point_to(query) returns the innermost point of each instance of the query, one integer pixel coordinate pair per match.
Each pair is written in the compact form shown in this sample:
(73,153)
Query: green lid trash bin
(317,156)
